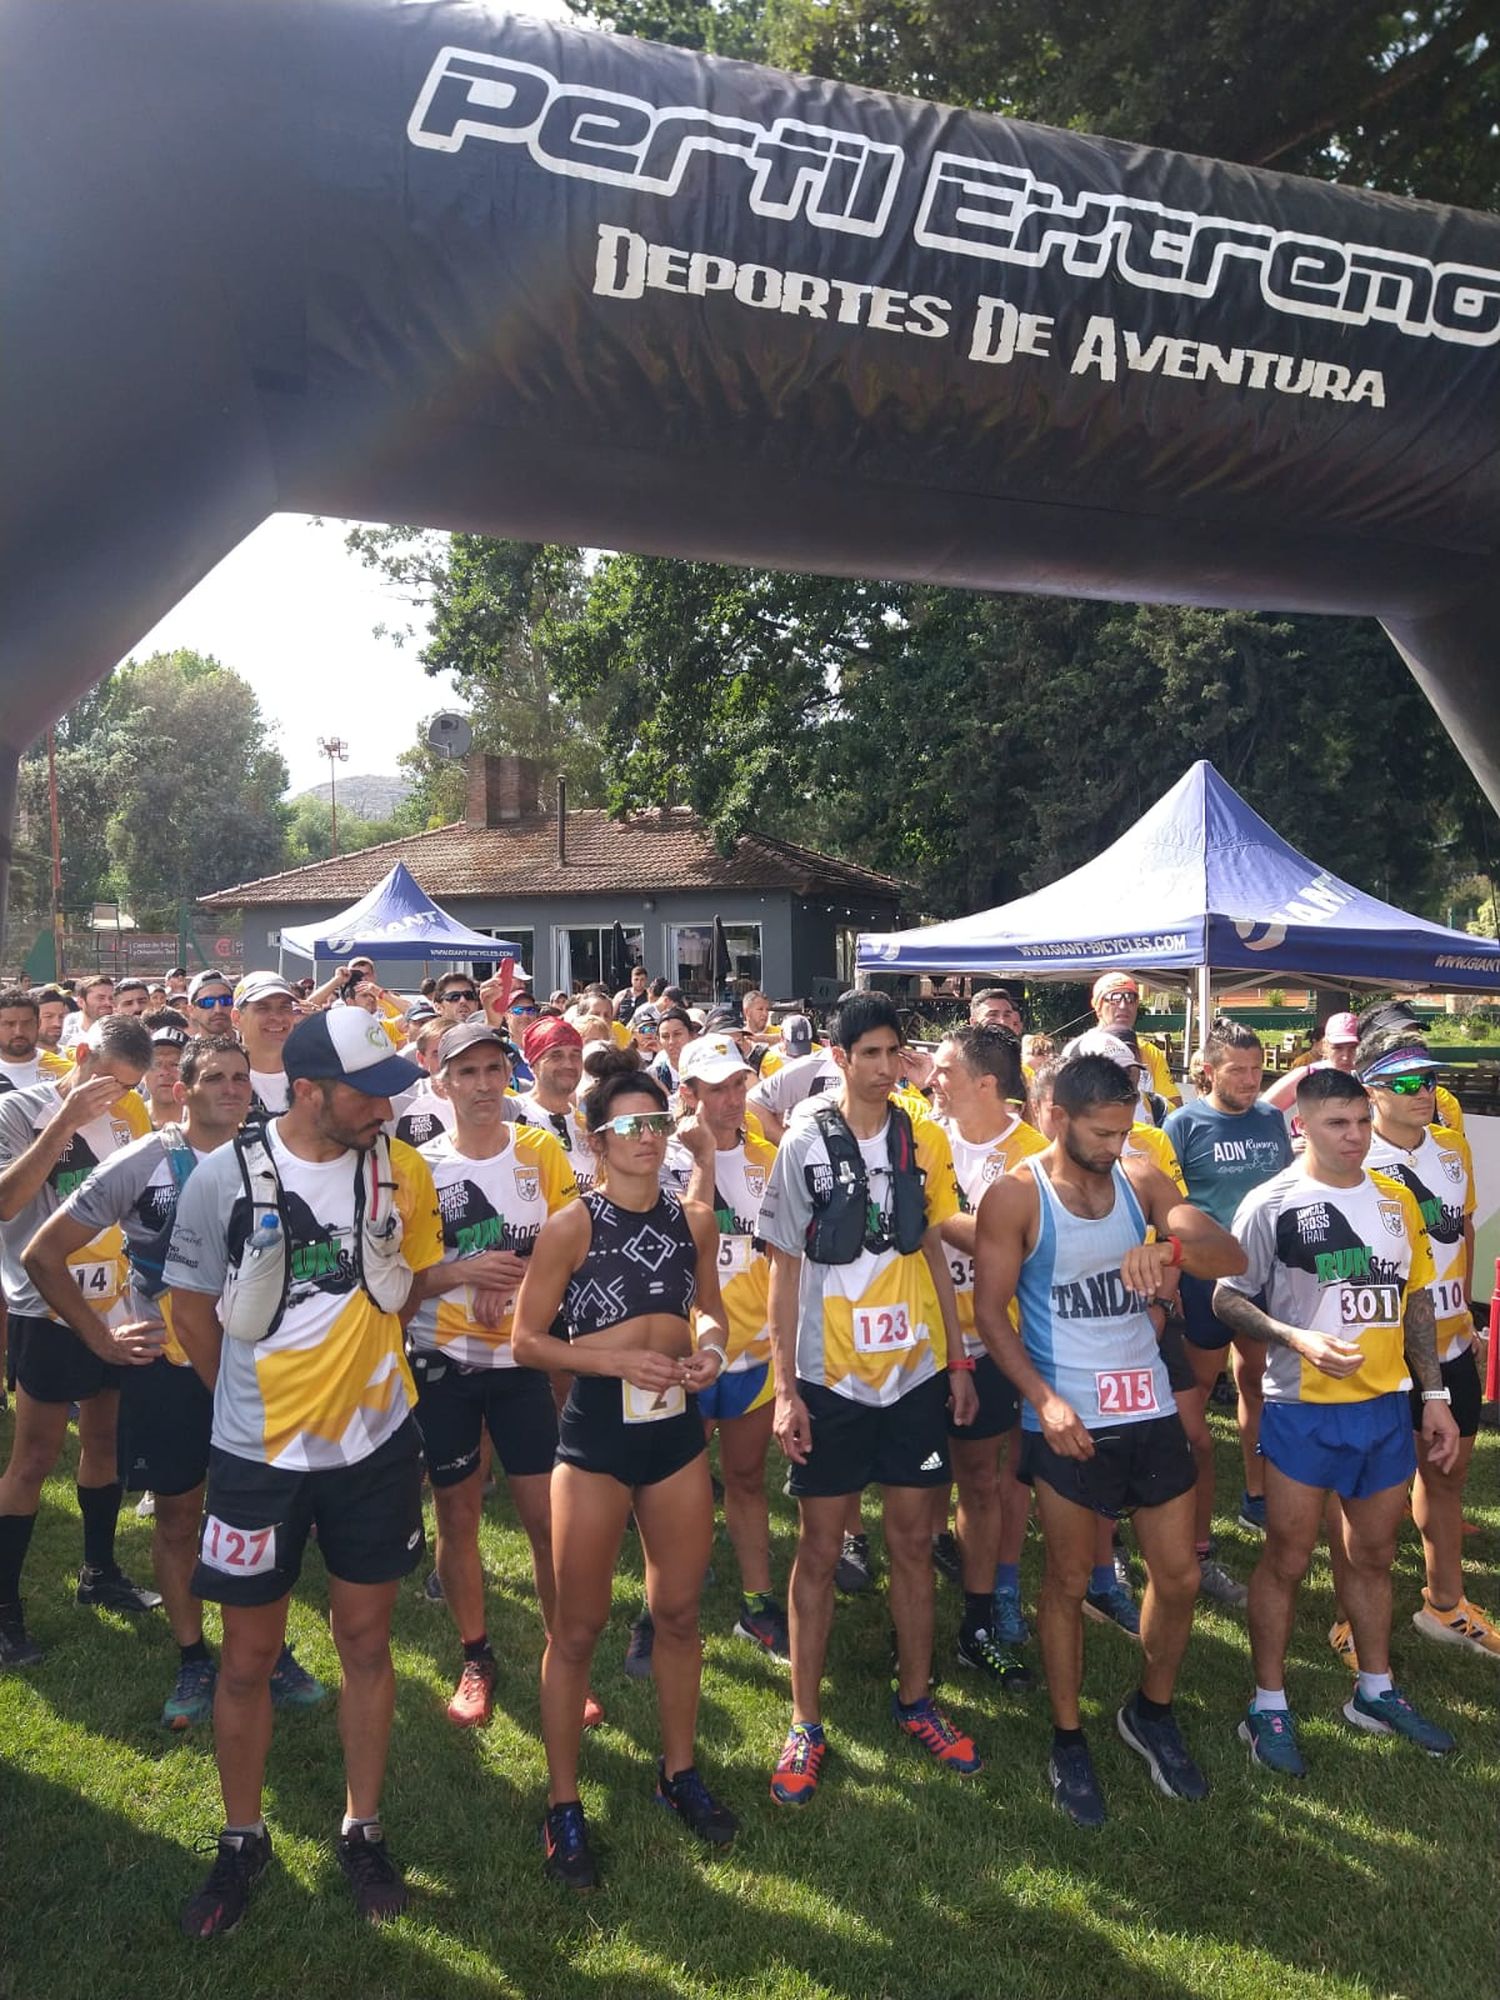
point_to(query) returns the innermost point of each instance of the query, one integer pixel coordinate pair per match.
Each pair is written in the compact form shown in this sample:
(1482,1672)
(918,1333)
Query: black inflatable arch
(408,261)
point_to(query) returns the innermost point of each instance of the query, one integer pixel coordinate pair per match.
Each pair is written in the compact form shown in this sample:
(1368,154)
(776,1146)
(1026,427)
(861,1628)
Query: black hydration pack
(841,1225)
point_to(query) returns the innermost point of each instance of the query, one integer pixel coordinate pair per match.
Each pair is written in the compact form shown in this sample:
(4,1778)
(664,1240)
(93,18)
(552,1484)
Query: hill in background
(371,797)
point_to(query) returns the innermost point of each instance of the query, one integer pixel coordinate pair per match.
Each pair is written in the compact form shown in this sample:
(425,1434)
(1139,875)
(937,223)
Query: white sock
(1268,1698)
(350,1824)
(247,1832)
(1372,1685)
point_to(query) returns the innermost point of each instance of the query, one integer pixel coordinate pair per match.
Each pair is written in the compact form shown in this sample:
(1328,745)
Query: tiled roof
(645,853)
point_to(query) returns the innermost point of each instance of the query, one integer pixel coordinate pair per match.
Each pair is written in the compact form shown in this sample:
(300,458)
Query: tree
(200,801)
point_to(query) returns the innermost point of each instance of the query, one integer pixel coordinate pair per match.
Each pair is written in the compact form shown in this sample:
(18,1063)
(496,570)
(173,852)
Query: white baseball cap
(1097,1043)
(345,1045)
(711,1059)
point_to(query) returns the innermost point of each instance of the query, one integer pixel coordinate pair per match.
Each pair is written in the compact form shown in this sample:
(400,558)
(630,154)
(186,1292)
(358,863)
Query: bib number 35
(237,1551)
(883,1329)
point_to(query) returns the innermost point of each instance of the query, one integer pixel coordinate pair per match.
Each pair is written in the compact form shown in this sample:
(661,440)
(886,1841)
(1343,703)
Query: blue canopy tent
(1199,884)
(396,919)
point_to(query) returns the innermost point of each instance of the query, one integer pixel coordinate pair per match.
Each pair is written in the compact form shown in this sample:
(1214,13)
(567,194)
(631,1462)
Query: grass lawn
(1375,1877)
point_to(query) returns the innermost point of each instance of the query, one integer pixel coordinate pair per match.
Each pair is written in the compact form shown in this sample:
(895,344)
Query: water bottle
(265,1235)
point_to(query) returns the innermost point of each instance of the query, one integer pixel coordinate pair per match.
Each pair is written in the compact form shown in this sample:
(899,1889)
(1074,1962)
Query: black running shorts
(456,1405)
(1134,1465)
(166,1416)
(257,1518)
(594,1435)
(999,1405)
(53,1365)
(855,1445)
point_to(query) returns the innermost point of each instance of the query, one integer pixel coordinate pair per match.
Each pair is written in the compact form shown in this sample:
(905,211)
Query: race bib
(1448,1300)
(883,1329)
(98,1282)
(1126,1392)
(1369,1305)
(651,1406)
(237,1551)
(963,1272)
(735,1253)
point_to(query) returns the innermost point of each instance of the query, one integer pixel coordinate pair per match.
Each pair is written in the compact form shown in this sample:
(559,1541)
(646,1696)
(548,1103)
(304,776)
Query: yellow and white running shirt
(870,1330)
(495,1204)
(977,1168)
(741,1176)
(101,1269)
(1339,1261)
(1149,1142)
(1440,1176)
(569,1130)
(331,1384)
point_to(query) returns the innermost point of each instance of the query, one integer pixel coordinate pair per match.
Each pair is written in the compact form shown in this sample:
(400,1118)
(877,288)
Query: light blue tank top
(1084,1332)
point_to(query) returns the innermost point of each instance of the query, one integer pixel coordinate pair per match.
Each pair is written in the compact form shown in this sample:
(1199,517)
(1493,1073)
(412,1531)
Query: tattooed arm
(1439,1433)
(1328,1354)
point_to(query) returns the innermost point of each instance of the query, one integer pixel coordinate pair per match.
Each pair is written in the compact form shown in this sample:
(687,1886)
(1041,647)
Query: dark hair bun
(604,1062)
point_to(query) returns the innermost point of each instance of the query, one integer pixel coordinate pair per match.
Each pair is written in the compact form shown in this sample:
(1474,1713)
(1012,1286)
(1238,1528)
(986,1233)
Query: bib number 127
(237,1551)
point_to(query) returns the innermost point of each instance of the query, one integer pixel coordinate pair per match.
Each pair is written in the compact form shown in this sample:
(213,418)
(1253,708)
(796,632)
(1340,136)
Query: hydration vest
(840,1226)
(255,1296)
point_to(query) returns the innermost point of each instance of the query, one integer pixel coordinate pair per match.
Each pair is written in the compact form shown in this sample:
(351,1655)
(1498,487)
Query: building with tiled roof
(555,881)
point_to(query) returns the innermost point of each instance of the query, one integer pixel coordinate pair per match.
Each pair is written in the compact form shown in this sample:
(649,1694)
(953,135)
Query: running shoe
(1341,1638)
(1391,1714)
(145,1507)
(638,1652)
(1008,1620)
(292,1686)
(764,1624)
(695,1805)
(432,1589)
(1075,1789)
(1159,1741)
(565,1837)
(799,1766)
(593,1711)
(1270,1735)
(112,1590)
(854,1572)
(1253,1512)
(1113,1607)
(947,1559)
(474,1697)
(927,1724)
(216,1910)
(1219,1587)
(192,1696)
(983,1650)
(17,1647)
(379,1891)
(1464,1625)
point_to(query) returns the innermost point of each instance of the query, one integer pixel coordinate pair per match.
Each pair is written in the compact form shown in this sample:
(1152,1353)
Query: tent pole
(1203,979)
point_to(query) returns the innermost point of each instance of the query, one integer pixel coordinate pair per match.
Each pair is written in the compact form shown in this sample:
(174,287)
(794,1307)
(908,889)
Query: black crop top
(636,1264)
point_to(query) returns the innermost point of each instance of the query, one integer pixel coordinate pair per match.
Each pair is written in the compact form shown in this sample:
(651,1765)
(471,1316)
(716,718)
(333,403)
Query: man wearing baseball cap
(497,1182)
(209,999)
(728,1169)
(1116,1000)
(1334,1050)
(291,1273)
(265,1012)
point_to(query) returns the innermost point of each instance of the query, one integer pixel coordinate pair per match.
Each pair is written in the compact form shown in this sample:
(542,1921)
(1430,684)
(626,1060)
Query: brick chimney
(502,789)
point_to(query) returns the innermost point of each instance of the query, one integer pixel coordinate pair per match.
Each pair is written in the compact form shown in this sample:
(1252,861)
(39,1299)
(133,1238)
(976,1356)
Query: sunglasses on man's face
(214,1000)
(637,1124)
(459,993)
(521,1012)
(1411,1084)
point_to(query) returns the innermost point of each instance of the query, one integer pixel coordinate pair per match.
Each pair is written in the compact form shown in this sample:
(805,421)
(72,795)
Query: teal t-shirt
(1226,1153)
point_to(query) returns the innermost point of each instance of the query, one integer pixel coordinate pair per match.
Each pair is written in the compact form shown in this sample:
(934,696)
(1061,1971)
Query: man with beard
(554,1051)
(291,1273)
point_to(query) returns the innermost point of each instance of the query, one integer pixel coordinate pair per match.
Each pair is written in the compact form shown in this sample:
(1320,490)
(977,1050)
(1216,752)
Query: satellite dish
(449,734)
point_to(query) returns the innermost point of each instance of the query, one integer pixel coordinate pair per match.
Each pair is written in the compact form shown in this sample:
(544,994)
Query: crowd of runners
(289,1255)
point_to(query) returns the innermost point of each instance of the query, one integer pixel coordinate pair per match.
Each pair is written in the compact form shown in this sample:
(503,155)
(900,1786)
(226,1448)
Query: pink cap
(1341,1028)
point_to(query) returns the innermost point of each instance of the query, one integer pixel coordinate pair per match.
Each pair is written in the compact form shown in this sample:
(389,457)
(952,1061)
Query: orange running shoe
(474,1697)
(927,1723)
(1462,1624)
(795,1778)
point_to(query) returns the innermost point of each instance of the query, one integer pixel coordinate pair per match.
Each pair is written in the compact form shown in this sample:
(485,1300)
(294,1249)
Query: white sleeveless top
(1085,1333)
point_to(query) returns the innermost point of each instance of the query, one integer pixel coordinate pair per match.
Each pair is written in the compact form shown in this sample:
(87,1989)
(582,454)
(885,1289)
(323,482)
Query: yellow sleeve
(1161,1076)
(913,1103)
(1158,1148)
(621,1034)
(132,1109)
(758,1149)
(935,1158)
(1449,1110)
(770,1062)
(416,1199)
(755,1132)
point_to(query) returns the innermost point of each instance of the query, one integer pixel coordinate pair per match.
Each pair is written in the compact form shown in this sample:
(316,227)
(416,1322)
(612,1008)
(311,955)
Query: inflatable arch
(418,260)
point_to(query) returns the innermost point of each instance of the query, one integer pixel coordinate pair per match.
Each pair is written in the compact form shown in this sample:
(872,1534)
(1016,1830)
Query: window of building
(690,956)
(581,953)
(481,968)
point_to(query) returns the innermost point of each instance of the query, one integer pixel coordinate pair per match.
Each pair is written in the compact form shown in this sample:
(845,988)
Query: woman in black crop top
(629,1267)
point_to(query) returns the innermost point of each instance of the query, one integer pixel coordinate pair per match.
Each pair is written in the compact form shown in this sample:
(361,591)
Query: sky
(294,614)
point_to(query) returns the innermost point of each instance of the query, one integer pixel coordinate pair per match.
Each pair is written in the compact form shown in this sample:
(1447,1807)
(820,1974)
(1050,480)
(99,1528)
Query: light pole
(335,749)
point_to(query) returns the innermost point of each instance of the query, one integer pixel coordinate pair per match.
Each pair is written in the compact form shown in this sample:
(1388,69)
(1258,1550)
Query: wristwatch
(1437,1396)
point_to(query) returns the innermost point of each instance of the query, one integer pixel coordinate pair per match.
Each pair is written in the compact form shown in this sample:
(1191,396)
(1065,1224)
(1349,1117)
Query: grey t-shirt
(23,1114)
(136,1188)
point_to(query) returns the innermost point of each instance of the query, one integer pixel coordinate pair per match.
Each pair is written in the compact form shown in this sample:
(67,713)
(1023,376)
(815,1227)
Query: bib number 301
(651,1406)
(1369,1305)
(237,1551)
(1126,1392)
(882,1329)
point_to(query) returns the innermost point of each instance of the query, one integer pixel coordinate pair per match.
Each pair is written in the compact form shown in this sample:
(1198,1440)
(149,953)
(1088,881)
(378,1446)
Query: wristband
(713,1347)
(961,1364)
(1175,1260)
(1437,1396)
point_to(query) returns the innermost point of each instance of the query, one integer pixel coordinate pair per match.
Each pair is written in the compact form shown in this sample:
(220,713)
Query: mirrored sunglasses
(636,1124)
(1411,1083)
